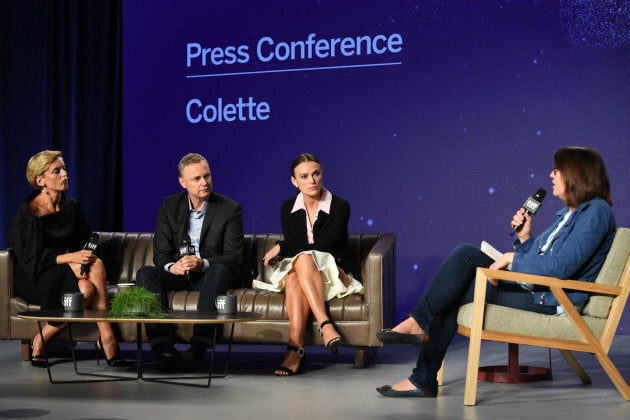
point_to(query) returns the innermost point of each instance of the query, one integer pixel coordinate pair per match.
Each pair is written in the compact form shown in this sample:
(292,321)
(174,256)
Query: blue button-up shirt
(195,222)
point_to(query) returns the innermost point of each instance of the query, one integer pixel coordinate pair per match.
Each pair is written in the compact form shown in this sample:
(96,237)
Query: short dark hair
(301,158)
(584,174)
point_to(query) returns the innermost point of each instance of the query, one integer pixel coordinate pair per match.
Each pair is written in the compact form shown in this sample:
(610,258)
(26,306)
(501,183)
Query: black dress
(36,241)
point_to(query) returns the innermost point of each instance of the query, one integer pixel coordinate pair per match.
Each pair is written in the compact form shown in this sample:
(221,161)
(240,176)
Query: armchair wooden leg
(474,351)
(575,365)
(613,374)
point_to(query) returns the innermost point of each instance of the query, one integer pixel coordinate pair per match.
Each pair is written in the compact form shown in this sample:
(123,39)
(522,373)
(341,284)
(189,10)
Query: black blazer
(330,231)
(221,238)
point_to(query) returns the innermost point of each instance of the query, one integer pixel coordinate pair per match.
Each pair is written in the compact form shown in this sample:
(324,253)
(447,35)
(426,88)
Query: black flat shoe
(333,344)
(393,337)
(116,361)
(388,391)
(288,372)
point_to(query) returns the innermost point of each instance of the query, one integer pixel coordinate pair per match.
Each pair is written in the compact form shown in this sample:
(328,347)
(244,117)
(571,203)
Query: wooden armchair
(590,332)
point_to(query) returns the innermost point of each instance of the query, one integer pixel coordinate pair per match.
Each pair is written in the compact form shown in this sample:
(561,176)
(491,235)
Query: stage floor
(330,388)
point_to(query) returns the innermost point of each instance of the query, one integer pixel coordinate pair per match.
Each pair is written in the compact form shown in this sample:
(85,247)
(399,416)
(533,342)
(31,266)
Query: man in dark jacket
(213,225)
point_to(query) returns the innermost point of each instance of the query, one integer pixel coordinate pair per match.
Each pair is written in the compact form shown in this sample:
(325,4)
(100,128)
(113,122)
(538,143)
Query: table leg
(229,353)
(106,378)
(139,348)
(171,379)
(41,336)
(139,373)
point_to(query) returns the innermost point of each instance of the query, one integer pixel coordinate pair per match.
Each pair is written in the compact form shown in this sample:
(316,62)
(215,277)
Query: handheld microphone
(91,244)
(186,248)
(531,206)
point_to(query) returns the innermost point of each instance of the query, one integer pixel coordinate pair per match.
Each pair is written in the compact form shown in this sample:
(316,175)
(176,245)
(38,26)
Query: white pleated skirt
(325,262)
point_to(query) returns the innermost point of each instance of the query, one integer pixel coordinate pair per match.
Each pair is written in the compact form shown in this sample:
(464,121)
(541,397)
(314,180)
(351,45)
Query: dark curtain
(60,89)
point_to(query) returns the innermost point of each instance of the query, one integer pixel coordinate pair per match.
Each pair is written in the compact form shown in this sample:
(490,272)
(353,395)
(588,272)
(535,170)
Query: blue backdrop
(435,119)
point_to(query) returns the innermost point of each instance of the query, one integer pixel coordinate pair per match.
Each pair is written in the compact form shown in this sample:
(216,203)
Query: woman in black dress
(47,236)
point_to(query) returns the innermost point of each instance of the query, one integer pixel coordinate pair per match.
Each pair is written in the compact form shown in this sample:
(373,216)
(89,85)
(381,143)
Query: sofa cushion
(271,305)
(357,317)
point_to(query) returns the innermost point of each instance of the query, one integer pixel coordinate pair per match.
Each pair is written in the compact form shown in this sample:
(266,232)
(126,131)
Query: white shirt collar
(324,202)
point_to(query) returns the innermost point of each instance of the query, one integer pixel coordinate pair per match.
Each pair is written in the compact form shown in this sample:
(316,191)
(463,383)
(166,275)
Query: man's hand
(186,263)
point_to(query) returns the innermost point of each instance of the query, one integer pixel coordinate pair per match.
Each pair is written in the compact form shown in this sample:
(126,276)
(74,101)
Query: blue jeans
(213,282)
(436,311)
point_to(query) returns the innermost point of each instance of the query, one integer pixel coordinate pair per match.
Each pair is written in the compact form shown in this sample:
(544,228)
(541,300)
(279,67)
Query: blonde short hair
(38,164)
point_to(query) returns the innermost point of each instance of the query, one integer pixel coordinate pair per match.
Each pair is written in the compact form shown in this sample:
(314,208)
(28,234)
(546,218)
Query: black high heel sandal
(333,344)
(116,361)
(288,372)
(38,360)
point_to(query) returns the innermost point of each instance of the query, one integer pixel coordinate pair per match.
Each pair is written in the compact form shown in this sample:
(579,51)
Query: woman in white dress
(311,264)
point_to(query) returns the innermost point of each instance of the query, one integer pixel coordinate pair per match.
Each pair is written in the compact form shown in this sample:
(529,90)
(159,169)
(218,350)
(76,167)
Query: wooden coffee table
(173,317)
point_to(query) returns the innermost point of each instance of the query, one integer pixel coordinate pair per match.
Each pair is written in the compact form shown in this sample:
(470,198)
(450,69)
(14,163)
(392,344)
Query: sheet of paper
(492,252)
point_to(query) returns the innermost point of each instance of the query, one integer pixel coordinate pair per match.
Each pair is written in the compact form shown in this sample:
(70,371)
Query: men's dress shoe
(167,359)
(388,391)
(190,358)
(393,337)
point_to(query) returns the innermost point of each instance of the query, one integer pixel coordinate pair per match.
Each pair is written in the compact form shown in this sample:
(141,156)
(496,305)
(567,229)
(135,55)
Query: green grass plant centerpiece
(136,302)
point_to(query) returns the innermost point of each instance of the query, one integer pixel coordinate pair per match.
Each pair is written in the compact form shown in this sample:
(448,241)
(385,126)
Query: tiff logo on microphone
(531,205)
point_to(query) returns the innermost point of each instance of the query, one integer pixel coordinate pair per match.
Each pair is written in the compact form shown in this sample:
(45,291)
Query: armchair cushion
(599,305)
(516,321)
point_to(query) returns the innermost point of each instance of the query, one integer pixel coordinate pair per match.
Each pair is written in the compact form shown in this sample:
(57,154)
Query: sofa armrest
(378,271)
(6,292)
